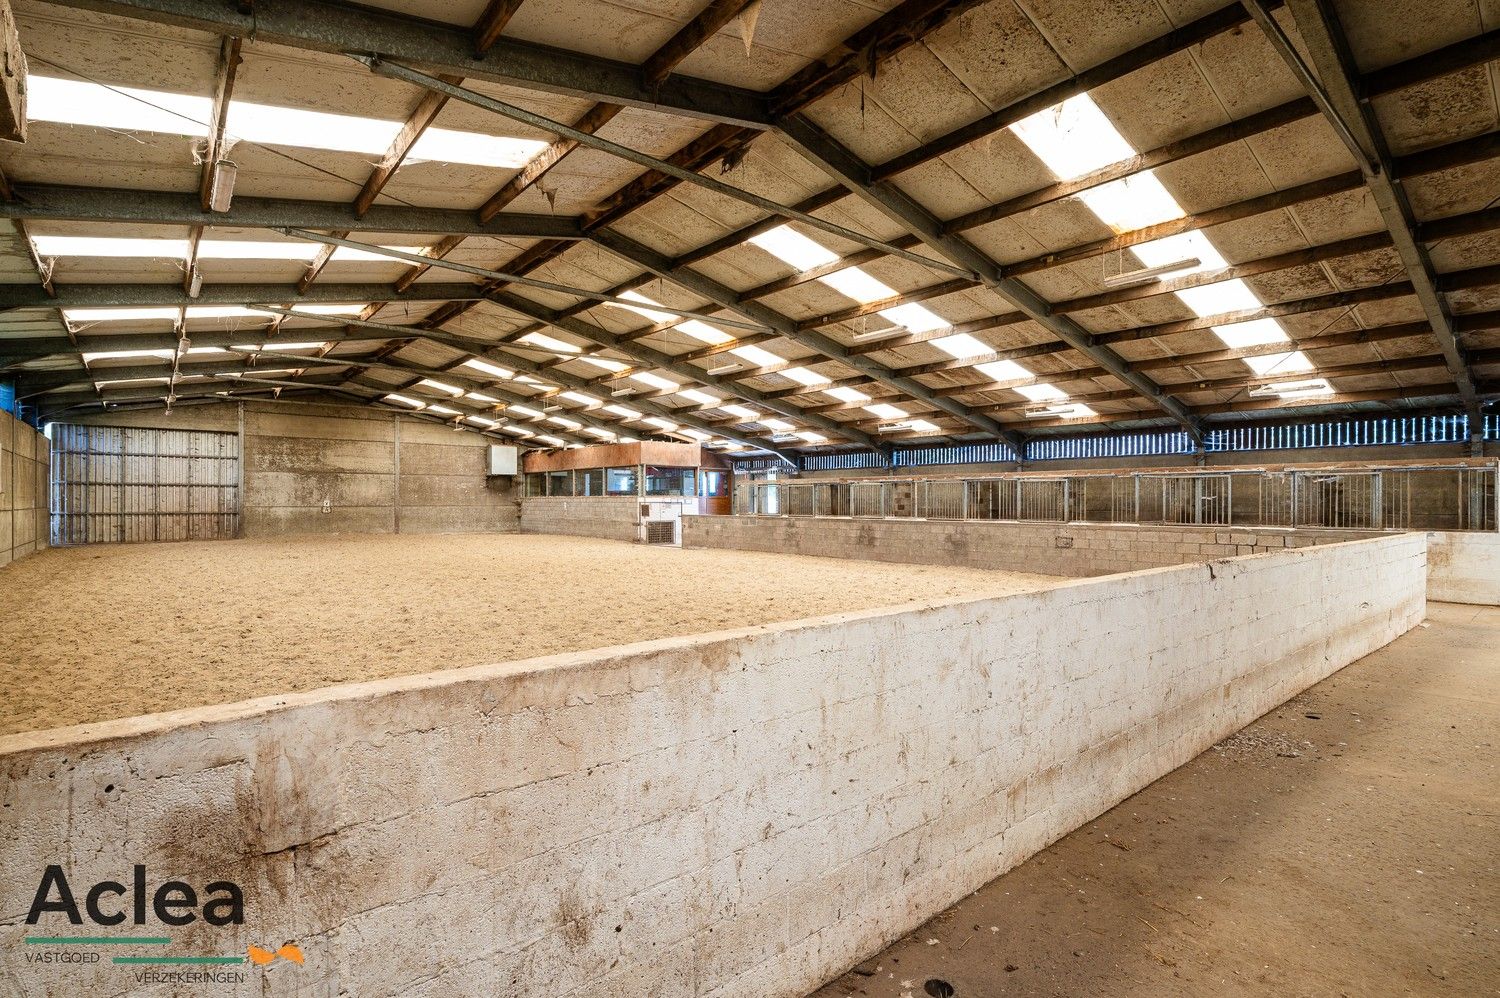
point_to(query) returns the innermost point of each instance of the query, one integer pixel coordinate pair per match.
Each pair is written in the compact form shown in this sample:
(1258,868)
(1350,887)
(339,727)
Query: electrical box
(504,460)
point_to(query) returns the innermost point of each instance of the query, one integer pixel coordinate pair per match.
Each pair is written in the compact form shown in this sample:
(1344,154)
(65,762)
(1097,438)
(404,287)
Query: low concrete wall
(380,472)
(1464,568)
(1072,549)
(744,813)
(609,517)
(25,458)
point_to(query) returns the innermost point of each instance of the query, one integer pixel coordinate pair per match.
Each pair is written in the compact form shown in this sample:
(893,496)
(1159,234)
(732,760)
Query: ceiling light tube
(1129,277)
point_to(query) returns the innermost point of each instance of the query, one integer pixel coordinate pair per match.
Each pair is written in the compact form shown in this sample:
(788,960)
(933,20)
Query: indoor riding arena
(749,499)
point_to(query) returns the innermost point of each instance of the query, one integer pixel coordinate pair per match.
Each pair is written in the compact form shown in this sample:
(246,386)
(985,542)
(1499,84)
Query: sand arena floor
(94,633)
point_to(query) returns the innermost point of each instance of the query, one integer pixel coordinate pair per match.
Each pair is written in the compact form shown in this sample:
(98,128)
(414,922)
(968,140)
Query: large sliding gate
(114,483)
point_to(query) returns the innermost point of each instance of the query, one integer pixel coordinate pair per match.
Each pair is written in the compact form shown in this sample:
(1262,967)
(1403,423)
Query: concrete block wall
(380,472)
(1463,567)
(609,517)
(25,460)
(614,519)
(740,814)
(1070,549)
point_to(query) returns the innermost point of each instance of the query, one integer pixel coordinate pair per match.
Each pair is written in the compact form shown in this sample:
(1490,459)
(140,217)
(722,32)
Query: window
(669,481)
(620,481)
(536,484)
(713,484)
(559,483)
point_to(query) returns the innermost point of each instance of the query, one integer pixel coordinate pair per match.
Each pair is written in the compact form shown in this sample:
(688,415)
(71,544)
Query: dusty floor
(1345,844)
(112,631)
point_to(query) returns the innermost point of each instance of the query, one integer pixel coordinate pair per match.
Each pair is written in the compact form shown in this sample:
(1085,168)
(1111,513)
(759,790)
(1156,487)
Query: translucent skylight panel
(886,411)
(441,386)
(623,412)
(481,397)
(855,283)
(1239,335)
(688,431)
(434,407)
(812,438)
(653,314)
(961,346)
(1294,362)
(703,332)
(1186,246)
(776,424)
(612,366)
(127,314)
(654,380)
(405,400)
(1003,370)
(803,376)
(1073,138)
(1132,203)
(1042,392)
(494,370)
(661,424)
(701,397)
(793,248)
(600,432)
(1226,296)
(757,356)
(917,318)
(743,412)
(848,394)
(482,421)
(581,398)
(129,108)
(923,426)
(550,343)
(564,422)
(549,439)
(521,410)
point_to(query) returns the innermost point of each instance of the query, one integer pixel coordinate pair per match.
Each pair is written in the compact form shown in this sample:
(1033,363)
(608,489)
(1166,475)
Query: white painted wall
(1463,567)
(745,813)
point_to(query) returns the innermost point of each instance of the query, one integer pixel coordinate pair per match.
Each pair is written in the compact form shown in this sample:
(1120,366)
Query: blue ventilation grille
(836,462)
(1384,430)
(1123,445)
(914,457)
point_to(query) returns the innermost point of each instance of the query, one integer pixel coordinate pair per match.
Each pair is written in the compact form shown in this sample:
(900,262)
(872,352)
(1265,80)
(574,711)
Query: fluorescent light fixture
(1126,278)
(726,369)
(132,381)
(405,400)
(880,334)
(777,438)
(524,411)
(441,386)
(494,370)
(893,427)
(1294,389)
(793,248)
(195,283)
(76,102)
(1068,410)
(622,392)
(221,185)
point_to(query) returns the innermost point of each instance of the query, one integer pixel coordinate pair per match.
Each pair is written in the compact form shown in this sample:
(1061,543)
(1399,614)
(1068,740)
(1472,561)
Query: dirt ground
(99,632)
(1345,844)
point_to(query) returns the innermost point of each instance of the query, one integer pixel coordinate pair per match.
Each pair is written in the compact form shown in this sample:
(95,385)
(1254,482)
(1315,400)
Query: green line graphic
(179,959)
(98,940)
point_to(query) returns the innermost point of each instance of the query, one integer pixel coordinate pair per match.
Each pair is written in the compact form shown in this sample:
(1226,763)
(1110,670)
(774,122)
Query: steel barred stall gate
(127,484)
(1397,497)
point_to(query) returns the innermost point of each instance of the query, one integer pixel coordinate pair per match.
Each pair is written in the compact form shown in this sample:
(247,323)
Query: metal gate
(112,484)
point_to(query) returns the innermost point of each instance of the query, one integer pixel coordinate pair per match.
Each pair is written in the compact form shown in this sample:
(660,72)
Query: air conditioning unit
(504,460)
